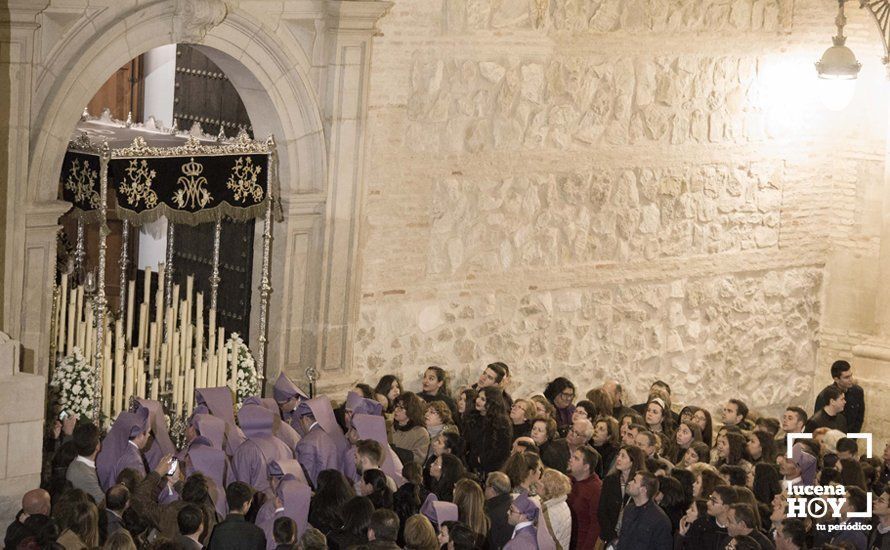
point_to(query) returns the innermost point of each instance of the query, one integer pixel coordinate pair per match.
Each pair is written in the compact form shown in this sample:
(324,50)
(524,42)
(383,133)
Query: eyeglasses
(399,406)
(567,394)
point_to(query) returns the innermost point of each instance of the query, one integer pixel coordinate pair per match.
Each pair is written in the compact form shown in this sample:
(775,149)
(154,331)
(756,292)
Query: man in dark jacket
(740,521)
(854,411)
(879,537)
(831,415)
(35,501)
(644,524)
(236,533)
(497,503)
(383,530)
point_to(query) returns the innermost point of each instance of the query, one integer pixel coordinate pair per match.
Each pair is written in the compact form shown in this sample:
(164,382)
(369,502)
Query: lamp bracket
(880,10)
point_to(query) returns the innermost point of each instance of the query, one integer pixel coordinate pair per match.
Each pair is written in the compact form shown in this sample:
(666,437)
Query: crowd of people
(387,468)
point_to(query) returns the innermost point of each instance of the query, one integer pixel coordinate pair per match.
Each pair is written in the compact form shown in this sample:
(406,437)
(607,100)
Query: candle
(63,315)
(69,344)
(118,386)
(129,372)
(89,344)
(189,396)
(78,310)
(221,358)
(152,348)
(143,326)
(106,380)
(146,289)
(131,298)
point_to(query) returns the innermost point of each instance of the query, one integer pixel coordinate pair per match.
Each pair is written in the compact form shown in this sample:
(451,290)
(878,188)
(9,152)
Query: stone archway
(311,107)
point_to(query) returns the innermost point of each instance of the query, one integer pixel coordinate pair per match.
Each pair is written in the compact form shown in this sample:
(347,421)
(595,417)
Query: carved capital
(356,15)
(193,19)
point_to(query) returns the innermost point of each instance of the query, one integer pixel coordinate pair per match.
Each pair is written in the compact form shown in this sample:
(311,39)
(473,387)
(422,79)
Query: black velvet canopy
(187,178)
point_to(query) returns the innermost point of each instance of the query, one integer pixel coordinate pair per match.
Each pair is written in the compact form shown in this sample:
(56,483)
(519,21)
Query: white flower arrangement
(73,382)
(247,379)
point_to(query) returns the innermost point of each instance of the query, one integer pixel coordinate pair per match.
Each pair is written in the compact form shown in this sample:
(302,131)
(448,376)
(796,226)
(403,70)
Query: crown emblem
(192,168)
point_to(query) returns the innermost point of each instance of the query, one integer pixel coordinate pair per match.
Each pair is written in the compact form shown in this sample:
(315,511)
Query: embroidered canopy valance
(188,177)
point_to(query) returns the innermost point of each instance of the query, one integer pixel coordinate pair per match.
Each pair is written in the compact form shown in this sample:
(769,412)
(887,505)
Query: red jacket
(584,501)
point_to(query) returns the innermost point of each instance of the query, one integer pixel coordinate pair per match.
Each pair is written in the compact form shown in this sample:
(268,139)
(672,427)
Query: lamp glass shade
(838,70)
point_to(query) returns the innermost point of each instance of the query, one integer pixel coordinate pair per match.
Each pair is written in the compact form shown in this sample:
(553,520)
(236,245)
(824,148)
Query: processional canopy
(189,177)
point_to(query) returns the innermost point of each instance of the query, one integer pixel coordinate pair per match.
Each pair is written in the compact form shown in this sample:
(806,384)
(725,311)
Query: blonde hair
(530,411)
(697,468)
(120,540)
(555,484)
(419,534)
(471,506)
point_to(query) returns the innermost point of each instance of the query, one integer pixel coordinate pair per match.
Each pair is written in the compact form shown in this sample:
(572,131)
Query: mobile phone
(63,415)
(174,463)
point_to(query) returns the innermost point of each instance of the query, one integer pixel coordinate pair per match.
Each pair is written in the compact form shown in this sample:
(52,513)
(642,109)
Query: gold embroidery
(243,178)
(81,180)
(193,191)
(139,187)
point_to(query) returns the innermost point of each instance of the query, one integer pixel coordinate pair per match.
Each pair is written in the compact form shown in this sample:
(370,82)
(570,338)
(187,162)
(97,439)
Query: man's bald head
(36,501)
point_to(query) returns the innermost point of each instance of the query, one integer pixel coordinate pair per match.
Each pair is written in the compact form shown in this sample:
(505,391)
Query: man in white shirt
(82,470)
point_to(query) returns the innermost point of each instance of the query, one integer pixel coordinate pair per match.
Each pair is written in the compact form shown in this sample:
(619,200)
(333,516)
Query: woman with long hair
(388,388)
(471,509)
(706,480)
(731,450)
(606,442)
(438,420)
(466,403)
(554,488)
(80,525)
(445,472)
(696,510)
(601,401)
(445,443)
(702,417)
(687,434)
(354,531)
(761,447)
(672,499)
(333,490)
(613,497)
(419,534)
(409,428)
(373,485)
(767,482)
(851,474)
(521,415)
(489,433)
(697,453)
(561,393)
(524,471)
(434,387)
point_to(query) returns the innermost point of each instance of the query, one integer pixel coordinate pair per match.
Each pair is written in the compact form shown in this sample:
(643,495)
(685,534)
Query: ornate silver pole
(125,241)
(265,284)
(168,283)
(79,250)
(214,274)
(100,301)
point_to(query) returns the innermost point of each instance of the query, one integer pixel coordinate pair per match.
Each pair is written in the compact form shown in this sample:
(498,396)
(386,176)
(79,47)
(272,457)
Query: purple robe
(218,401)
(295,496)
(317,452)
(361,405)
(212,428)
(374,427)
(250,462)
(284,390)
(204,457)
(162,444)
(117,452)
(438,512)
(525,539)
(282,430)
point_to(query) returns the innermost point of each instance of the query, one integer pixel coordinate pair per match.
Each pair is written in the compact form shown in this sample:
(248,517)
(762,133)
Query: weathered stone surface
(463,105)
(603,215)
(715,336)
(603,16)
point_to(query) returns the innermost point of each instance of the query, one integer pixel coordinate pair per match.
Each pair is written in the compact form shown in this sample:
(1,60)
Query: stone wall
(628,188)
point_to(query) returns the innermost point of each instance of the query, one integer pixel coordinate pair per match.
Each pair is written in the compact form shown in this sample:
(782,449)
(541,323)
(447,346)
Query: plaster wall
(636,189)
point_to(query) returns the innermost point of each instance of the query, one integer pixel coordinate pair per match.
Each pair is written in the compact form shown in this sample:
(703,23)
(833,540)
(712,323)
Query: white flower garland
(73,383)
(248,380)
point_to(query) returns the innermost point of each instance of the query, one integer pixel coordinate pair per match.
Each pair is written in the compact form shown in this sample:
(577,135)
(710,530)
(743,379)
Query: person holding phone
(82,470)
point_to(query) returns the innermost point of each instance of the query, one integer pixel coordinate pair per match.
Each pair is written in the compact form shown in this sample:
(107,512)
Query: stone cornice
(356,15)
(23,13)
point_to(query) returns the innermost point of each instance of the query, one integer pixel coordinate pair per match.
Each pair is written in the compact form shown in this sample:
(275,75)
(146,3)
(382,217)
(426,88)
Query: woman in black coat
(613,497)
(489,434)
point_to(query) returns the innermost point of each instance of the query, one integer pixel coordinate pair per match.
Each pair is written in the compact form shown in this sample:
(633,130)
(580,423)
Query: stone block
(25,445)
(4,448)
(16,408)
